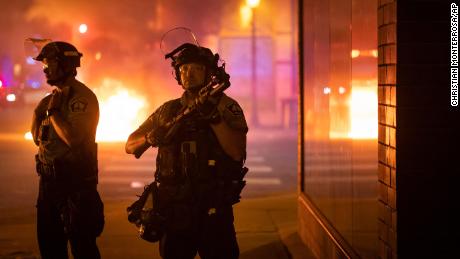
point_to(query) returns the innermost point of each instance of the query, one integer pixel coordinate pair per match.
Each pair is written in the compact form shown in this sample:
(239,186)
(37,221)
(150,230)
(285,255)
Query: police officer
(199,171)
(69,208)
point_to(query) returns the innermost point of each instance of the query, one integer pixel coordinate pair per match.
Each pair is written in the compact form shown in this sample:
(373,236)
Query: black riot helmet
(191,53)
(65,53)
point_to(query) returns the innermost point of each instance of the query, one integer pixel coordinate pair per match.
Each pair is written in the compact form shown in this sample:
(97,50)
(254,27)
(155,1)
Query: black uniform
(194,177)
(69,207)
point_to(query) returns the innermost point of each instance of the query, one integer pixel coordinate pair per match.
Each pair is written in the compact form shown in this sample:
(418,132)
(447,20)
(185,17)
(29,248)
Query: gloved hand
(206,106)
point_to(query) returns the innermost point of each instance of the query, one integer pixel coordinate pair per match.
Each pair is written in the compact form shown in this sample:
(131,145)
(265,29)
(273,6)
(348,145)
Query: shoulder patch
(234,108)
(234,116)
(79,105)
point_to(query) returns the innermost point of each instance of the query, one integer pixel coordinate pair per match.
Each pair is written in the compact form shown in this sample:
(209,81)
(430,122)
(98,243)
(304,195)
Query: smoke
(123,37)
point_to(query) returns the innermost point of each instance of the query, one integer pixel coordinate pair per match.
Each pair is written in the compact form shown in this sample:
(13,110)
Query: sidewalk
(266,228)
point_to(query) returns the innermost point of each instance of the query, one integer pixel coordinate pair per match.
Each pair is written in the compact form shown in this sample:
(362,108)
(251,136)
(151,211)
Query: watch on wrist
(50,112)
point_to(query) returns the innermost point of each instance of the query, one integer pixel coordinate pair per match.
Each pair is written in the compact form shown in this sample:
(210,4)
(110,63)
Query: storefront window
(340,117)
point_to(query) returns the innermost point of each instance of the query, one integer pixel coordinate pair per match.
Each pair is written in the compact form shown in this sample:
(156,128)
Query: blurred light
(30,60)
(1,84)
(83,28)
(28,136)
(98,56)
(355,53)
(253,3)
(327,90)
(136,184)
(17,69)
(120,111)
(11,97)
(341,90)
(364,110)
(246,15)
(35,84)
(375,53)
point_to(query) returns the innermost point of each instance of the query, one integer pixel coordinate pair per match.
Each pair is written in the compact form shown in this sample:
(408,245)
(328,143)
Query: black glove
(206,106)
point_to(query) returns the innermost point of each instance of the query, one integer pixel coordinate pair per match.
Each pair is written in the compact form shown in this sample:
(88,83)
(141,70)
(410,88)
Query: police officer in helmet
(69,208)
(199,170)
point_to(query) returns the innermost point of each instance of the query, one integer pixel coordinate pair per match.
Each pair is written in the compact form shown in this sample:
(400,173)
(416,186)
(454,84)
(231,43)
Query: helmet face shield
(33,47)
(177,37)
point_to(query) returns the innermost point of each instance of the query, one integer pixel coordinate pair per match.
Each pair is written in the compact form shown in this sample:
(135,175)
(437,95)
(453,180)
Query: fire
(364,110)
(121,111)
(28,135)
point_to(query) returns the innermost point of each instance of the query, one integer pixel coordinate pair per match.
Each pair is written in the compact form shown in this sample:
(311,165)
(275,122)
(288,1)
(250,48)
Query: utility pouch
(188,156)
(167,166)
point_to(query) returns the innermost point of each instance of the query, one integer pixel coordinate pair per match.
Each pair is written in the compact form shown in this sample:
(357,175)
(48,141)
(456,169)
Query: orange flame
(364,110)
(121,111)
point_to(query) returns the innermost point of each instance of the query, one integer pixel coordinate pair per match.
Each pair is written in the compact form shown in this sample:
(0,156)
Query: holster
(234,187)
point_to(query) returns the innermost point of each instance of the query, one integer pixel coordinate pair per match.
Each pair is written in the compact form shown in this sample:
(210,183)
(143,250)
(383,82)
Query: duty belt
(64,173)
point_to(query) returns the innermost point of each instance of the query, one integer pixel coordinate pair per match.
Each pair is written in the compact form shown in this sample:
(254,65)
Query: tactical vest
(194,167)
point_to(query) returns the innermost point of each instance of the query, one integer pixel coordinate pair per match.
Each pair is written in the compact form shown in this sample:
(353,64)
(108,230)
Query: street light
(83,28)
(253,3)
(254,118)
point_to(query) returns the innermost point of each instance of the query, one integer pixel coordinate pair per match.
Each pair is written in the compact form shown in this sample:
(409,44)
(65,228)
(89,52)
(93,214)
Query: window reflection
(340,117)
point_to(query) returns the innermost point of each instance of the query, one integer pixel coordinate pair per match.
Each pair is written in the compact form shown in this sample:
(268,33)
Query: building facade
(378,134)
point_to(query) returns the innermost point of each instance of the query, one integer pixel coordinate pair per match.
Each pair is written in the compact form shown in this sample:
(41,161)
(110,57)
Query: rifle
(218,84)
